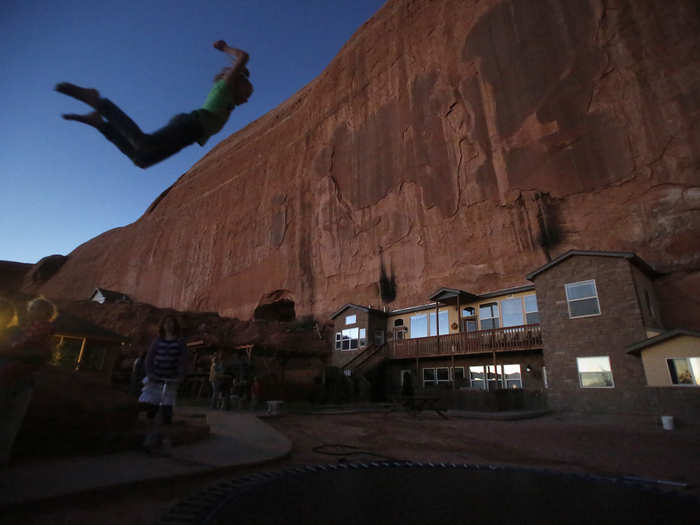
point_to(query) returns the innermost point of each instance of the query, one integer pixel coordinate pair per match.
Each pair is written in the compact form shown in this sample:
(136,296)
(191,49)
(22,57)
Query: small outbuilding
(102,295)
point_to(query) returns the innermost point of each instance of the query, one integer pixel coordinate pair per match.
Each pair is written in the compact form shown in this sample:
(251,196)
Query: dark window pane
(533,318)
(584,307)
(459,373)
(443,374)
(579,291)
(428,374)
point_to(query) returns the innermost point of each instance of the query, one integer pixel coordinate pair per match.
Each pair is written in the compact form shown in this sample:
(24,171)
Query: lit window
(532,315)
(476,377)
(595,372)
(582,299)
(488,313)
(350,319)
(512,375)
(363,337)
(512,312)
(350,338)
(419,326)
(684,371)
(444,322)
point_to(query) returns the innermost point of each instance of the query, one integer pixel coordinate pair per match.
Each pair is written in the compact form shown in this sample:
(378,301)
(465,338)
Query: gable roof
(631,257)
(69,325)
(637,348)
(110,295)
(358,307)
(449,293)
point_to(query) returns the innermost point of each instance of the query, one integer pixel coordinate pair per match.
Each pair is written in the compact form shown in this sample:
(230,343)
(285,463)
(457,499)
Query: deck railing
(512,338)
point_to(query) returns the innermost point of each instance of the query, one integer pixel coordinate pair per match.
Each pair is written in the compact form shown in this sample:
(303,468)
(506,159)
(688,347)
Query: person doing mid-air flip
(231,88)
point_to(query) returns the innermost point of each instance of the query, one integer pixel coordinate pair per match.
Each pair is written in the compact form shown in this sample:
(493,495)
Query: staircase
(370,358)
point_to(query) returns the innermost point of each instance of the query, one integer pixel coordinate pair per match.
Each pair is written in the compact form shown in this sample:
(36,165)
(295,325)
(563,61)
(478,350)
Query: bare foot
(90,96)
(92,119)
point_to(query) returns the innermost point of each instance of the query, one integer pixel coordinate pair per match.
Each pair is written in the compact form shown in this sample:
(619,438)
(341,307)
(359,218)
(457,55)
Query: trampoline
(425,493)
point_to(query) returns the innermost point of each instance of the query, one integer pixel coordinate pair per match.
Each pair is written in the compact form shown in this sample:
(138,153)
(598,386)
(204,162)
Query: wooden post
(418,374)
(495,369)
(437,324)
(459,315)
(453,368)
(80,355)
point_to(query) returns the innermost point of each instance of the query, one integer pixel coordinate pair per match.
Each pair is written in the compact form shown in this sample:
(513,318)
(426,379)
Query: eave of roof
(447,293)
(636,348)
(630,256)
(358,307)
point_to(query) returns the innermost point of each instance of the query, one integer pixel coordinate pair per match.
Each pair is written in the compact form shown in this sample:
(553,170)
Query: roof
(358,307)
(449,293)
(507,291)
(631,257)
(111,295)
(69,325)
(637,348)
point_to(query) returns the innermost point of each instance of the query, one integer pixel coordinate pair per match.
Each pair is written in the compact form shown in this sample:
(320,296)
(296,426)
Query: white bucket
(667,422)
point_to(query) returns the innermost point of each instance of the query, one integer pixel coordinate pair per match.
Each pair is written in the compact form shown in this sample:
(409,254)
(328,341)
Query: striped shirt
(167,359)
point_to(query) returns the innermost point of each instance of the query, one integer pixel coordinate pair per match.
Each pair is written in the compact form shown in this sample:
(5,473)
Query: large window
(469,322)
(532,314)
(684,371)
(489,378)
(444,321)
(348,339)
(488,314)
(477,379)
(434,376)
(595,372)
(419,326)
(582,299)
(512,312)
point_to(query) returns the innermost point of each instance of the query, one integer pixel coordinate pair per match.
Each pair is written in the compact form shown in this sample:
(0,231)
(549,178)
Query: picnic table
(417,403)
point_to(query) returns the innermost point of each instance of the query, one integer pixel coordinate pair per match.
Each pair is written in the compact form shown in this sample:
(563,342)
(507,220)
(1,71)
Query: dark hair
(176,329)
(47,306)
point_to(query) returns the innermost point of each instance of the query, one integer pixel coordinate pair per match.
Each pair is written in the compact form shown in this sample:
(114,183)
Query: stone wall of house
(619,324)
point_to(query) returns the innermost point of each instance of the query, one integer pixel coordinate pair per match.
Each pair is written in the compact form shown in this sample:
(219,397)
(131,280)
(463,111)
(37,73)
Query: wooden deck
(511,339)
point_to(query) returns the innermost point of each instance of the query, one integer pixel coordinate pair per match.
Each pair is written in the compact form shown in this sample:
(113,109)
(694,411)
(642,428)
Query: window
(582,299)
(595,372)
(684,371)
(379,337)
(338,340)
(488,313)
(476,377)
(458,375)
(363,337)
(512,312)
(469,323)
(434,376)
(512,375)
(419,326)
(350,319)
(350,338)
(444,322)
(398,322)
(532,314)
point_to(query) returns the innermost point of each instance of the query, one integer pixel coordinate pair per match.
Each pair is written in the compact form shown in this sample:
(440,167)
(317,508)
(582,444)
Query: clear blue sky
(62,182)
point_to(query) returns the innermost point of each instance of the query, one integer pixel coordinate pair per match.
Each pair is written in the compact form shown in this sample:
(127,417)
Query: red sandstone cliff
(467,139)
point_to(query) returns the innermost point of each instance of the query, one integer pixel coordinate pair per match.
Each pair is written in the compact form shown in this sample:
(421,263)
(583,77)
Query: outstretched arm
(240,59)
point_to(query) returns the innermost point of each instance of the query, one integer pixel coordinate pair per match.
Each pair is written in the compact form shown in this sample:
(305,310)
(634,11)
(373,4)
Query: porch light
(528,369)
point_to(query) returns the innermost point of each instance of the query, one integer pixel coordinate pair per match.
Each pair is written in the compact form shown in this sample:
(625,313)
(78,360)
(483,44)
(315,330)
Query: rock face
(466,140)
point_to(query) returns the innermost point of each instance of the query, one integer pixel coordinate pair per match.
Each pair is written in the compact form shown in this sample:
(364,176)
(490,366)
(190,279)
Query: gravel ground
(597,445)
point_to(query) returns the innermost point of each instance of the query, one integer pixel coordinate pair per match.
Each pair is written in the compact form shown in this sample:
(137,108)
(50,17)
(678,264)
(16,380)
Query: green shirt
(215,110)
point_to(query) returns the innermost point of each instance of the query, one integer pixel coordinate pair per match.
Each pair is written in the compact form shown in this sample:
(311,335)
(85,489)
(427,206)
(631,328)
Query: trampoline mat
(417,493)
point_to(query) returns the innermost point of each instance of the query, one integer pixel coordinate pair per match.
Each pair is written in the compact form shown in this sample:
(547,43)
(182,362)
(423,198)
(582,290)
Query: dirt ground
(597,445)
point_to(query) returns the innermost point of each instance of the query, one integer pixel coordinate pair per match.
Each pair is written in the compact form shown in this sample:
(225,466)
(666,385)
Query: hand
(220,45)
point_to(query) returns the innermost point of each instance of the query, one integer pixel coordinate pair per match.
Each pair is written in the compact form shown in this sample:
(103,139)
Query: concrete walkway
(236,439)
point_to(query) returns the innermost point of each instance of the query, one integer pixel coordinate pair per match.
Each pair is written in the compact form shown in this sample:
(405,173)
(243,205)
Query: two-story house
(587,330)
